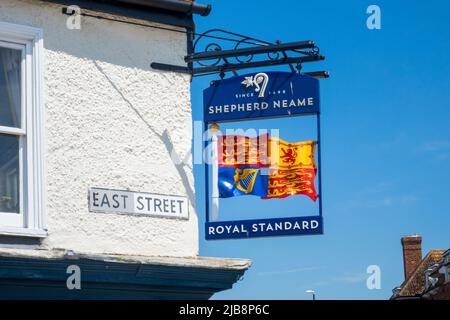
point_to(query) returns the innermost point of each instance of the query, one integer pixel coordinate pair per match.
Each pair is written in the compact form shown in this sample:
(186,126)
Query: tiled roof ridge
(433,255)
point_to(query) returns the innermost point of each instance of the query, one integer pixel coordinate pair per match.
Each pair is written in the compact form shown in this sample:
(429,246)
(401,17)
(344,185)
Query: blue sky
(385,138)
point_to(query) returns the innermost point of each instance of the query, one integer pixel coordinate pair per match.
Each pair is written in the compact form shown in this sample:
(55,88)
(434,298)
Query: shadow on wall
(164,137)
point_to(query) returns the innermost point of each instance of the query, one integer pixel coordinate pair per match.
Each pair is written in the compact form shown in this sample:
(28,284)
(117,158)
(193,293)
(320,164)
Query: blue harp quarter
(248,180)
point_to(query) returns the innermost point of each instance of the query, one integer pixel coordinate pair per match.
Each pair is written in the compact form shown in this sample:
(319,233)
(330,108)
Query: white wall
(110,121)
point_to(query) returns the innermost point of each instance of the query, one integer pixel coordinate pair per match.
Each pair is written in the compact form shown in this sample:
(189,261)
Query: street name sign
(118,201)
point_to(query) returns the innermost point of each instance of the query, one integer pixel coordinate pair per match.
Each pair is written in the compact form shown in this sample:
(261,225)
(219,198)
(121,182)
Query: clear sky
(385,139)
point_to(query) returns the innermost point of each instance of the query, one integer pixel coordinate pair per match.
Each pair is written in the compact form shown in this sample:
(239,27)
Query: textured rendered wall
(111,122)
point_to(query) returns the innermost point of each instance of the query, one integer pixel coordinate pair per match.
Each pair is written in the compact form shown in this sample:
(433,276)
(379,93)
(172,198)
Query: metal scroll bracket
(247,53)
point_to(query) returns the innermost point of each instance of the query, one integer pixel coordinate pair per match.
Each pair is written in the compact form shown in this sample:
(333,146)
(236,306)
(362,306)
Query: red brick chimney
(412,253)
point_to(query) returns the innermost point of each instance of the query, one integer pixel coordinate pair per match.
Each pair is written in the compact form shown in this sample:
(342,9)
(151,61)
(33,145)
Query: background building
(81,109)
(425,278)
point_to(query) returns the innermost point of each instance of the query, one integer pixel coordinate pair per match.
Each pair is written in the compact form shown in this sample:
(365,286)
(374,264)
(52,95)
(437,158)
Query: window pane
(10,93)
(9,174)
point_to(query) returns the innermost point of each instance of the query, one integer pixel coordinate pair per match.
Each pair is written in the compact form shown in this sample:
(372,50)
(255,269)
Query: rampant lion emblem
(289,155)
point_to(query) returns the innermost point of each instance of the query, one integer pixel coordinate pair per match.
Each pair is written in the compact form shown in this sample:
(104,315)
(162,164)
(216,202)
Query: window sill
(23,232)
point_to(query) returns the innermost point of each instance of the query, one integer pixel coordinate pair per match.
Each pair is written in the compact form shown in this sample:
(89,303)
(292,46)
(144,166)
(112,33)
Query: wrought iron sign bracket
(247,53)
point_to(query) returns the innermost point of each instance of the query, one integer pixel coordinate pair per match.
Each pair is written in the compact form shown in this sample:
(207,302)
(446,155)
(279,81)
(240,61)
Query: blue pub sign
(262,95)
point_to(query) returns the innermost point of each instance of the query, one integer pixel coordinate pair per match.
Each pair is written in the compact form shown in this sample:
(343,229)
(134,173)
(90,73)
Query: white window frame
(32,165)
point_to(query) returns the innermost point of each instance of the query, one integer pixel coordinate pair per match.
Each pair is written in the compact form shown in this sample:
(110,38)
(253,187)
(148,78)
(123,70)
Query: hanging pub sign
(263,166)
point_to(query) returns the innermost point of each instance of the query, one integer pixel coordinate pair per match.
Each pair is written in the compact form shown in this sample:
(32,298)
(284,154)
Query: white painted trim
(34,183)
(12,131)
(11,218)
(21,232)
(17,33)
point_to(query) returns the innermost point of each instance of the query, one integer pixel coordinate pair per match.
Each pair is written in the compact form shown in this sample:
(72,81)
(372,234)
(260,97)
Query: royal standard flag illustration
(266,167)
(292,169)
(241,161)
